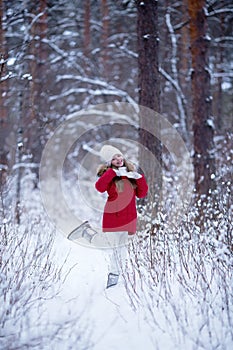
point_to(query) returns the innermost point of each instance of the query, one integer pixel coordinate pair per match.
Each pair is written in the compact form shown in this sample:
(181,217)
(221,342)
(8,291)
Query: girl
(123,184)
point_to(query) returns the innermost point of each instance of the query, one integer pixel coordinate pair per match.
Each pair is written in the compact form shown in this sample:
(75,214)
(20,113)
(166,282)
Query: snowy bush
(180,276)
(31,279)
(182,279)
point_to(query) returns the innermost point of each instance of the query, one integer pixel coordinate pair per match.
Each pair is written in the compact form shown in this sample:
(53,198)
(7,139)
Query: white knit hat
(107,152)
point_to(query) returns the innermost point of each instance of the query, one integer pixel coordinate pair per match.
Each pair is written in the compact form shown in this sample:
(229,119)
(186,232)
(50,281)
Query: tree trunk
(5,125)
(104,38)
(149,95)
(149,87)
(184,60)
(219,62)
(204,165)
(87,30)
(38,65)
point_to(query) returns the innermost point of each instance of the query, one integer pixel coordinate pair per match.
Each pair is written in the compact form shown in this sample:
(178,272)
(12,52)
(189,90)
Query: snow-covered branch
(224,38)
(107,89)
(219,12)
(222,74)
(25,165)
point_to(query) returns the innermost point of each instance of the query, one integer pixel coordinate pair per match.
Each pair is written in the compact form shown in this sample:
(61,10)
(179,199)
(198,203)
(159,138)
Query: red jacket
(120,212)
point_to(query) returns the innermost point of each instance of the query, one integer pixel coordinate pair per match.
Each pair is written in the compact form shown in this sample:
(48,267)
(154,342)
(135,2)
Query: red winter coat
(120,212)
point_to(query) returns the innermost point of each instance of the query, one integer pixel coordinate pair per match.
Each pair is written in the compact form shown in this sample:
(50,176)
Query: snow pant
(118,254)
(117,242)
(110,240)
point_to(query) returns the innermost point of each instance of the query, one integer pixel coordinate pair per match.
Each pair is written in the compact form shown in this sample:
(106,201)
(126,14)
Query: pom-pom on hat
(107,152)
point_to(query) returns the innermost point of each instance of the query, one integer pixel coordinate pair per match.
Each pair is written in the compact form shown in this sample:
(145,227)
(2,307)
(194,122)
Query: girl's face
(117,160)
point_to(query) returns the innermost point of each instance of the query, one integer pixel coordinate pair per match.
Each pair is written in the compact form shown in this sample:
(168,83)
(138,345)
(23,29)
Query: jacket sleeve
(142,187)
(102,183)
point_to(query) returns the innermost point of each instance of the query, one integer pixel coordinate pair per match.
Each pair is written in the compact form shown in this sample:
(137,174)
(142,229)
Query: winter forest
(155,79)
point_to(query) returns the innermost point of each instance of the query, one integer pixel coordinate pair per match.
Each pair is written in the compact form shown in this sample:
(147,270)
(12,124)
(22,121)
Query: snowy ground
(169,315)
(174,292)
(113,323)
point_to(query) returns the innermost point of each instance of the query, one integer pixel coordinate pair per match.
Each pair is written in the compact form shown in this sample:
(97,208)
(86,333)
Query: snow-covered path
(186,321)
(180,321)
(112,322)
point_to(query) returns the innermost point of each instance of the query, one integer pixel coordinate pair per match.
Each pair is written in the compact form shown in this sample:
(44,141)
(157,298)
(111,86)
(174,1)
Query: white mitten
(117,172)
(133,175)
(123,171)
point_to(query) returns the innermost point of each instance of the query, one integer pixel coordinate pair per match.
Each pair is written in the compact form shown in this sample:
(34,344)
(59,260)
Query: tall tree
(87,31)
(203,132)
(104,38)
(149,93)
(4,121)
(219,64)
(38,66)
(184,58)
